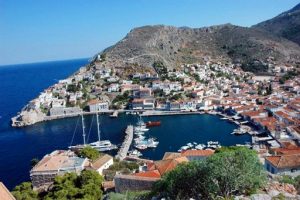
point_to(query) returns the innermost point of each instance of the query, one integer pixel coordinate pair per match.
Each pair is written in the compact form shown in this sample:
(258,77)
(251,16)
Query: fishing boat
(100,145)
(153,123)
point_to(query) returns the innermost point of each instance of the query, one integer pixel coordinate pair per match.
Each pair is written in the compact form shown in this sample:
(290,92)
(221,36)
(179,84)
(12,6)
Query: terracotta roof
(94,101)
(164,166)
(133,177)
(171,155)
(286,151)
(138,101)
(101,161)
(150,174)
(5,194)
(197,153)
(285,161)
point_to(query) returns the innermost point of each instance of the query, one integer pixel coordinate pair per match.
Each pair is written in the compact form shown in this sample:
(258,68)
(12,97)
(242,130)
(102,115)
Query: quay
(122,153)
(161,113)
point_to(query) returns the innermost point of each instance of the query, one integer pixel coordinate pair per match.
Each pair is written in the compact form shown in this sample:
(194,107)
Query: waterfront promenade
(122,153)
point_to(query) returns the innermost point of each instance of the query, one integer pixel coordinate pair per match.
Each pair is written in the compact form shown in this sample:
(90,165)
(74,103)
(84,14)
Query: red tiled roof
(150,174)
(285,151)
(285,161)
(197,153)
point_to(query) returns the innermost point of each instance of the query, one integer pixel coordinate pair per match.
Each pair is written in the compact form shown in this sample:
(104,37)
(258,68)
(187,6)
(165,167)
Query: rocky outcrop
(28,117)
(286,25)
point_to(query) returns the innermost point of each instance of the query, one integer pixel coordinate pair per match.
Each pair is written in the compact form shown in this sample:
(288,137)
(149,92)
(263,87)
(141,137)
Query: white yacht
(100,145)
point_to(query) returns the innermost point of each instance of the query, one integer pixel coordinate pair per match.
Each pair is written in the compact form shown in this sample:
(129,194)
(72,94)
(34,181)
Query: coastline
(144,113)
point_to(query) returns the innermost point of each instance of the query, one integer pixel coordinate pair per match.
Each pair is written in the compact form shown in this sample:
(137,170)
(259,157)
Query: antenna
(83,128)
(98,127)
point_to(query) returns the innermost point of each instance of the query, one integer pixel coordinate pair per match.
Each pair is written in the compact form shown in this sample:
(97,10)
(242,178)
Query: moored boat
(153,123)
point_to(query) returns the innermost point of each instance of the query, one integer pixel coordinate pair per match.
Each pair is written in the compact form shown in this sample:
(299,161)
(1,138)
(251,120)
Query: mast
(83,129)
(98,127)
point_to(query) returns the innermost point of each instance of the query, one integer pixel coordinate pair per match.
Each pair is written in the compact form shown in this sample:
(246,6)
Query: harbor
(56,134)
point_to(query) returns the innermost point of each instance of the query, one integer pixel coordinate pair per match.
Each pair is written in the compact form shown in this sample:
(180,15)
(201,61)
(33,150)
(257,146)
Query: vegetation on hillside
(230,171)
(73,186)
(289,75)
(24,192)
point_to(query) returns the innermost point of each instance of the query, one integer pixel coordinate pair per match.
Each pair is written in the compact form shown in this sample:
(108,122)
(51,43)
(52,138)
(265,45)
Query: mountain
(286,25)
(174,46)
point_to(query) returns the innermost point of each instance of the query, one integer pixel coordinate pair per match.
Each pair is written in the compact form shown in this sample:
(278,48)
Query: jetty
(122,153)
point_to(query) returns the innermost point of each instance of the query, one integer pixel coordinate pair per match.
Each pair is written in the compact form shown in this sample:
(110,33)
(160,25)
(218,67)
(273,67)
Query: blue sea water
(21,83)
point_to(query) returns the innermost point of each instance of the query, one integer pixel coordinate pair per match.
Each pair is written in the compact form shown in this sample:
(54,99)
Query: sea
(18,146)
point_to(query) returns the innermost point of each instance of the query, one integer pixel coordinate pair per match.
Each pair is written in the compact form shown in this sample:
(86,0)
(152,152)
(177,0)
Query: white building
(102,163)
(113,88)
(96,105)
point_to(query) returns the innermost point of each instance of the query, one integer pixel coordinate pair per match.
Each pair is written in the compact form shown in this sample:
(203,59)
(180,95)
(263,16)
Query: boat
(141,129)
(184,148)
(100,145)
(140,121)
(190,145)
(213,144)
(139,133)
(153,123)
(200,146)
(141,126)
(135,153)
(139,139)
(141,146)
(151,143)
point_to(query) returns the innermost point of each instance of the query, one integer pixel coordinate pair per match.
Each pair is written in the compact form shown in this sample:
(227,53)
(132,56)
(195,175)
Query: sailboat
(104,145)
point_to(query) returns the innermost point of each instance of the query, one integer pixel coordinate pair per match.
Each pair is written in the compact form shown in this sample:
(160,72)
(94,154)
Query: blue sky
(43,30)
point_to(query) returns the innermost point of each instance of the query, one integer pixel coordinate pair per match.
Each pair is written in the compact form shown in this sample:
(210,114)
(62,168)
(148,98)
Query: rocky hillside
(173,46)
(286,25)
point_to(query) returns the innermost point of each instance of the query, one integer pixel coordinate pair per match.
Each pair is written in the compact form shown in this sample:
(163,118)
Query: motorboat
(200,146)
(213,144)
(135,153)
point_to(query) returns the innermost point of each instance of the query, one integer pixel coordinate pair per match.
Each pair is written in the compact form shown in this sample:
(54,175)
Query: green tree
(89,152)
(229,171)
(72,186)
(24,192)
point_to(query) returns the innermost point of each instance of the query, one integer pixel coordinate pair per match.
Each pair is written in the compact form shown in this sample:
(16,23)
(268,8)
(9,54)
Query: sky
(45,30)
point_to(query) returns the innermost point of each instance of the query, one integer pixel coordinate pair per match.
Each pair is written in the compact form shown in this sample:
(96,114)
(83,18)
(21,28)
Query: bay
(21,83)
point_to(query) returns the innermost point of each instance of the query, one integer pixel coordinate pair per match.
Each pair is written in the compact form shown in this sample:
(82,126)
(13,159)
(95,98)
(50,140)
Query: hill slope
(173,46)
(286,24)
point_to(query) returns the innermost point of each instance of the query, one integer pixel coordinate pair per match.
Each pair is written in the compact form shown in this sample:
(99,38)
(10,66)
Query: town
(267,106)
